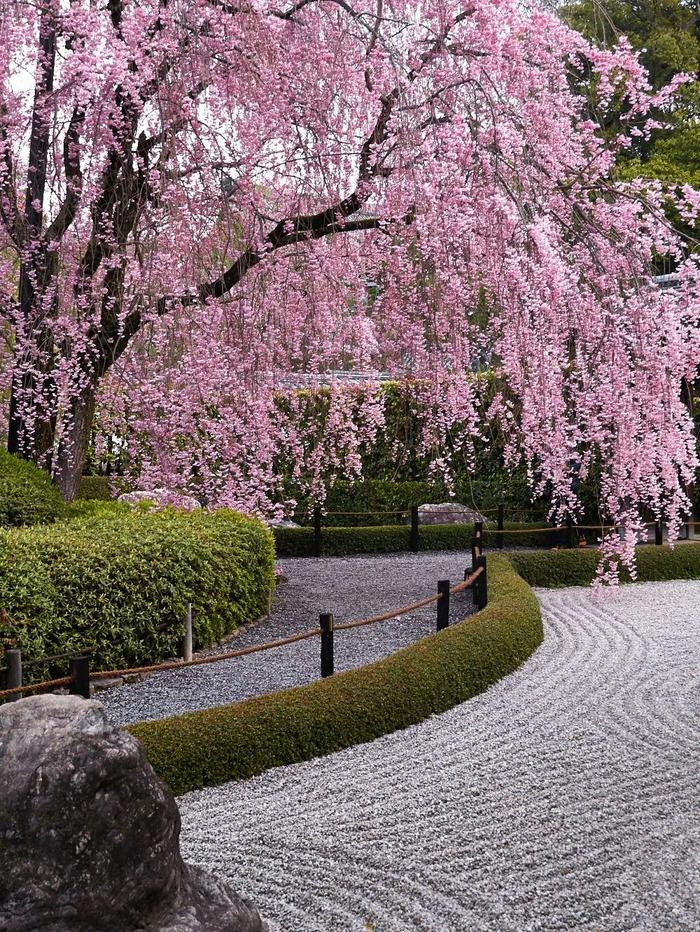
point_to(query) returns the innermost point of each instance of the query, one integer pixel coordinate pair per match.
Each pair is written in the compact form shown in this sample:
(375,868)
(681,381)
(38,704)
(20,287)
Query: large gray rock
(448,513)
(89,836)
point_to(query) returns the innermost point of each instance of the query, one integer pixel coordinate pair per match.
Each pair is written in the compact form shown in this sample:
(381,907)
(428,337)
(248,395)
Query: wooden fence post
(501,522)
(443,604)
(327,659)
(14,671)
(80,673)
(414,528)
(317,531)
(480,588)
(658,533)
(187,643)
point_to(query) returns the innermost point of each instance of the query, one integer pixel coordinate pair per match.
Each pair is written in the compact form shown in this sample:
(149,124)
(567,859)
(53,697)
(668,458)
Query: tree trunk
(73,443)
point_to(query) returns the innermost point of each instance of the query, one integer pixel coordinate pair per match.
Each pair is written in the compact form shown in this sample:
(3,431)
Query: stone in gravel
(448,513)
(89,836)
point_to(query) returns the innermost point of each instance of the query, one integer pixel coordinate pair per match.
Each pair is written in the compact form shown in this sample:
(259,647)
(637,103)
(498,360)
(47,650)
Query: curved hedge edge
(241,740)
(557,568)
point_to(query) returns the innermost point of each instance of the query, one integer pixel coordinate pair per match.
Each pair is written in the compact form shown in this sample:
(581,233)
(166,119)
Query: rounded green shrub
(27,494)
(118,585)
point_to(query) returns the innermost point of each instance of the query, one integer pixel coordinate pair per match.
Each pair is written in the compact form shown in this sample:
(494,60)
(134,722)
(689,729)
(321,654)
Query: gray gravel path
(350,587)
(565,797)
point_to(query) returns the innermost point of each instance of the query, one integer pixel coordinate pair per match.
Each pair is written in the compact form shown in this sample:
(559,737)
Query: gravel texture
(349,587)
(565,797)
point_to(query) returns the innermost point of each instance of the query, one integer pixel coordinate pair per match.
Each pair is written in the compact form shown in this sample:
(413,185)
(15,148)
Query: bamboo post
(187,642)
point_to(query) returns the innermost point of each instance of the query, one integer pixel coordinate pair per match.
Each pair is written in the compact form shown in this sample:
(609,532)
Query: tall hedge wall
(118,583)
(239,740)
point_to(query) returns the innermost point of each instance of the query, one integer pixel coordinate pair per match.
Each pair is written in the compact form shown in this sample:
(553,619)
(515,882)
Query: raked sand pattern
(565,797)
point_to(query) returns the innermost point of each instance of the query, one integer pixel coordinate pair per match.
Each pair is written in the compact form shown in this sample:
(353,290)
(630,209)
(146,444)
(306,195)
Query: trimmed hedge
(27,494)
(243,739)
(95,488)
(558,568)
(119,585)
(345,541)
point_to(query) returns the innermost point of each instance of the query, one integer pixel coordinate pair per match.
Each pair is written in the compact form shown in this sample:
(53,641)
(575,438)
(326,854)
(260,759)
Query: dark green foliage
(237,741)
(27,494)
(95,488)
(577,567)
(667,35)
(119,585)
(344,541)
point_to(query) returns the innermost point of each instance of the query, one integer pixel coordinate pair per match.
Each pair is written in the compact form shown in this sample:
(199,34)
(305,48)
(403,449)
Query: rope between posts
(65,656)
(531,530)
(214,658)
(33,687)
(468,581)
(387,616)
(362,513)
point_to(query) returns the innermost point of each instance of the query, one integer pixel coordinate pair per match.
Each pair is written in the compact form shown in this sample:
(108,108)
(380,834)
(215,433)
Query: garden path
(564,797)
(350,587)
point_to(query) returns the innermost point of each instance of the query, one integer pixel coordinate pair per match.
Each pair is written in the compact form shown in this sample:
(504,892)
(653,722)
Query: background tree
(195,196)
(667,35)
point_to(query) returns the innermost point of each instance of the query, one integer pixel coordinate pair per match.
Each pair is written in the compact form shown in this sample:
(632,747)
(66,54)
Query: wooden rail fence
(80,677)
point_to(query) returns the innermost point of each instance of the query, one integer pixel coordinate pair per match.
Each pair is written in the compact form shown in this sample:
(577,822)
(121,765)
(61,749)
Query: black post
(14,671)
(80,673)
(571,533)
(501,521)
(317,531)
(443,604)
(480,588)
(479,530)
(659,533)
(414,528)
(326,625)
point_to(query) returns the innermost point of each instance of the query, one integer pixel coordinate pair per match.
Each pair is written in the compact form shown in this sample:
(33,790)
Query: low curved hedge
(556,568)
(118,584)
(434,674)
(27,494)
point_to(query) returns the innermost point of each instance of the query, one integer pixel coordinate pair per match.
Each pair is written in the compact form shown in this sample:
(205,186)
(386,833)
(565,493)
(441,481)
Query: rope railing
(33,687)
(358,514)
(324,631)
(468,582)
(211,658)
(67,655)
(387,616)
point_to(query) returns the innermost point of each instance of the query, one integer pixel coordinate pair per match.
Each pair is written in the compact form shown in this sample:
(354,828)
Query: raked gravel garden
(567,796)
